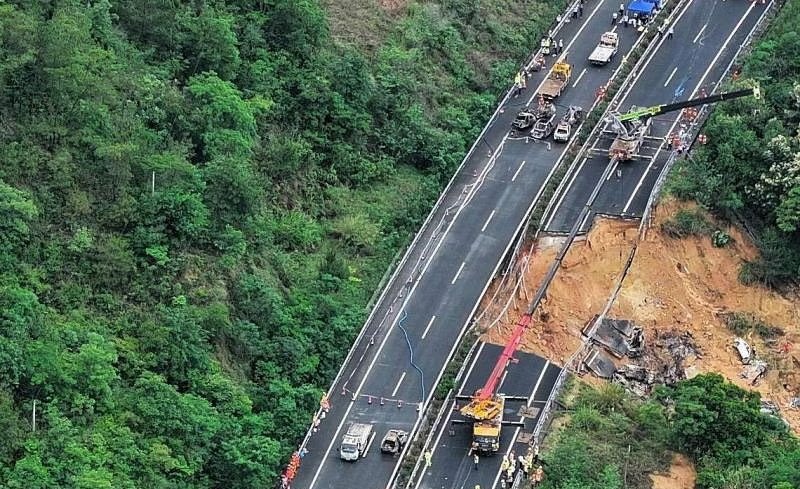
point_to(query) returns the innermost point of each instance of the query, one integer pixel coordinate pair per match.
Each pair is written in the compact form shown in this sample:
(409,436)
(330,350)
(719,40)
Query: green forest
(198,200)
(609,440)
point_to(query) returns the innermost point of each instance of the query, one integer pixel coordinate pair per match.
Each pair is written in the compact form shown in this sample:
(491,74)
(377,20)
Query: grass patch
(687,222)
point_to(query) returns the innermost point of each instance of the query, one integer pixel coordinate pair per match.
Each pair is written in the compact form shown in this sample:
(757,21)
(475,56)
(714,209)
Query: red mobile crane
(486,406)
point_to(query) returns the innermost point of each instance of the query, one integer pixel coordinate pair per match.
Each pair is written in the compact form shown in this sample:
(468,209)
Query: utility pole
(33,416)
(153,184)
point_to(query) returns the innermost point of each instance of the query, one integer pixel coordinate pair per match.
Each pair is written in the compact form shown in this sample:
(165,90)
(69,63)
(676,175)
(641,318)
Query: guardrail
(574,362)
(390,283)
(589,138)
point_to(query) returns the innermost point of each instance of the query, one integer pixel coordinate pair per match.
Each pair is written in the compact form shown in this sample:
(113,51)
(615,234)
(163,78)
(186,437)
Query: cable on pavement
(411,356)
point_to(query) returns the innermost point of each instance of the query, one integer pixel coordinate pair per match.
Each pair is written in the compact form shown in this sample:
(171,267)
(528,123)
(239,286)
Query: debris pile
(665,363)
(618,336)
(687,284)
(754,368)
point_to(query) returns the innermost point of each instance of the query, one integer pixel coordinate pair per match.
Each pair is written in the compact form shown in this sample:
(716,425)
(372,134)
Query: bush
(720,239)
(687,223)
(742,323)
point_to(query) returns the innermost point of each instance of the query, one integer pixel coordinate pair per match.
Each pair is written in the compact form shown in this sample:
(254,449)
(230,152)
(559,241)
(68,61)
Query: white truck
(355,442)
(605,50)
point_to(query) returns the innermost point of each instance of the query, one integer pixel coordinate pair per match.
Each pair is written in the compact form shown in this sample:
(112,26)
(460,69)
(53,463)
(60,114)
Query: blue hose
(411,354)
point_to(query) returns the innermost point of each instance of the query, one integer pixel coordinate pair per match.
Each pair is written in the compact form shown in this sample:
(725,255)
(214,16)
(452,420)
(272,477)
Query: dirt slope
(681,475)
(680,284)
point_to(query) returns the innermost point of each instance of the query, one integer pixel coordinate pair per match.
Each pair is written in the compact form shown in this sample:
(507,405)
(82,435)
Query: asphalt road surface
(531,377)
(502,179)
(707,35)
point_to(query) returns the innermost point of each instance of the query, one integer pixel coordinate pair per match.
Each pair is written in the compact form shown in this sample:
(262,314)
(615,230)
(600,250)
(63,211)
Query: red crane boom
(484,404)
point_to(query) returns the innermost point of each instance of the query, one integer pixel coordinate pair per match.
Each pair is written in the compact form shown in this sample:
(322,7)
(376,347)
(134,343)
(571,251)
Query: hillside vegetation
(609,440)
(197,200)
(750,169)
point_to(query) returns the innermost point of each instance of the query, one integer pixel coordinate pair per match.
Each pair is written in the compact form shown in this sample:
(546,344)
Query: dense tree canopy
(197,200)
(609,438)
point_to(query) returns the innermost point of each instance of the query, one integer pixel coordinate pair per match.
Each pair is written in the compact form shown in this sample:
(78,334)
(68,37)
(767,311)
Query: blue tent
(641,7)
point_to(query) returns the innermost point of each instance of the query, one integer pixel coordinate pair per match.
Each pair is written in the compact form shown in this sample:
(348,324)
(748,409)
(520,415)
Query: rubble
(600,363)
(663,363)
(769,407)
(754,371)
(635,379)
(619,336)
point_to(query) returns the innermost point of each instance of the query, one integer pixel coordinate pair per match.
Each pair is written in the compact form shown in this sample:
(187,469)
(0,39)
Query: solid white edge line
(471,366)
(564,193)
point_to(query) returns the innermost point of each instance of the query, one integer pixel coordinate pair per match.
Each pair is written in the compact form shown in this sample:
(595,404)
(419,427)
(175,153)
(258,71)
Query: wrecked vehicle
(394,441)
(744,349)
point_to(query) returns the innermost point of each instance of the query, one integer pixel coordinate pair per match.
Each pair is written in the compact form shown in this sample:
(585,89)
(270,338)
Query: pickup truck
(556,81)
(605,50)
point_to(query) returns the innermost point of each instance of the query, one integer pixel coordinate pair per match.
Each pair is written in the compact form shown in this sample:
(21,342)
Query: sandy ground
(681,284)
(681,475)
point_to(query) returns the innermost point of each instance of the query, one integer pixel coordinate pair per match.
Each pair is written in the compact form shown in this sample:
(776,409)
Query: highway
(700,50)
(707,35)
(408,339)
(531,377)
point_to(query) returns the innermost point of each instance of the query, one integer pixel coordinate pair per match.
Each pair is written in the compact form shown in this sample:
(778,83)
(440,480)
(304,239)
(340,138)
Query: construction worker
(670,32)
(560,46)
(538,476)
(621,8)
(580,9)
(614,18)
(504,465)
(428,457)
(519,83)
(475,460)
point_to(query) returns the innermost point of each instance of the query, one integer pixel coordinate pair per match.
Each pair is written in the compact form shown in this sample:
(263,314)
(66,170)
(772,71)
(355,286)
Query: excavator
(633,127)
(485,407)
